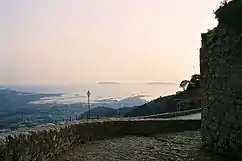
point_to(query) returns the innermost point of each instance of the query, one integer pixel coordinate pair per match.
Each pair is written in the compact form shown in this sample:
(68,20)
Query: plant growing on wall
(193,83)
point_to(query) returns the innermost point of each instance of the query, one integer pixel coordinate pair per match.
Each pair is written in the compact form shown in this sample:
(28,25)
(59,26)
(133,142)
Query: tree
(183,84)
(193,83)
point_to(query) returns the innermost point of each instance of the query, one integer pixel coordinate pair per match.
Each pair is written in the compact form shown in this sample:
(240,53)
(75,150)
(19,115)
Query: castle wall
(221,81)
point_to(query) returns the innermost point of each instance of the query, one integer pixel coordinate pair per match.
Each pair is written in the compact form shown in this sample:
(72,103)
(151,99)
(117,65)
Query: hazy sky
(76,41)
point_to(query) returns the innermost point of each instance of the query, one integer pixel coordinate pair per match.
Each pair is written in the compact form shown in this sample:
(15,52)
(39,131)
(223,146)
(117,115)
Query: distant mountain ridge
(16,109)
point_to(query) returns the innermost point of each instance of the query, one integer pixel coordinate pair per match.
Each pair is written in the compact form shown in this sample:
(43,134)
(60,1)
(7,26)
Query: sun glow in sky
(76,41)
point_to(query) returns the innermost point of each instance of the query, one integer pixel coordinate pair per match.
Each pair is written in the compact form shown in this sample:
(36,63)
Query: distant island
(160,83)
(108,83)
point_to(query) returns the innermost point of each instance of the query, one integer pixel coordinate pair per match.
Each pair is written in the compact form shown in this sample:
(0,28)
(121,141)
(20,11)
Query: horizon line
(85,83)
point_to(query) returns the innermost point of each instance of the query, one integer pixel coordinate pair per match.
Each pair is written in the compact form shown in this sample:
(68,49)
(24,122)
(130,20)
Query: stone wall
(221,81)
(44,144)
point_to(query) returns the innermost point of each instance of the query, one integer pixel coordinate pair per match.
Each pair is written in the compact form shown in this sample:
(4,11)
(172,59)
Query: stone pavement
(185,146)
(196,116)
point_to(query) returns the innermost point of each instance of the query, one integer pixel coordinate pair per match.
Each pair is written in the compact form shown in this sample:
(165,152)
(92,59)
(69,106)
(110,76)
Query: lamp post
(89,106)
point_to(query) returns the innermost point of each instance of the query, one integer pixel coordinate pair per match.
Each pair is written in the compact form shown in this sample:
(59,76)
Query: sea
(100,91)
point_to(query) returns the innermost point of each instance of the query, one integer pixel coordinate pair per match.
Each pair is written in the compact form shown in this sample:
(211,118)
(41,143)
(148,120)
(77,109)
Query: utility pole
(89,106)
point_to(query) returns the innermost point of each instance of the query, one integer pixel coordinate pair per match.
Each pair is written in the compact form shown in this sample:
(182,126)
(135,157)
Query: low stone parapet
(46,142)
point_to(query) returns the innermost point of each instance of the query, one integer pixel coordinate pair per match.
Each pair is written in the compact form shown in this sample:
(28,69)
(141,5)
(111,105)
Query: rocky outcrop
(221,76)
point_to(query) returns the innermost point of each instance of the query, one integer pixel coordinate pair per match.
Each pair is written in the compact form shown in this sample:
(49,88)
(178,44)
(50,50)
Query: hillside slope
(185,100)
(107,112)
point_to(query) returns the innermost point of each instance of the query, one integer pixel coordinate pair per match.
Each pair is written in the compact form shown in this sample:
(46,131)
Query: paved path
(196,116)
(183,146)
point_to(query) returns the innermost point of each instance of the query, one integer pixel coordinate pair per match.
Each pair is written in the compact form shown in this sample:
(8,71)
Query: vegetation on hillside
(189,98)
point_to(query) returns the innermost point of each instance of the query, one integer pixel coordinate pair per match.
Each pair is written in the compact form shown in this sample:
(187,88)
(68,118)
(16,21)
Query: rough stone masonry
(47,142)
(221,71)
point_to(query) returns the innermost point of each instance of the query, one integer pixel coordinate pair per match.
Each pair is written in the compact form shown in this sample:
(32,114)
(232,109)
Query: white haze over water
(100,93)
